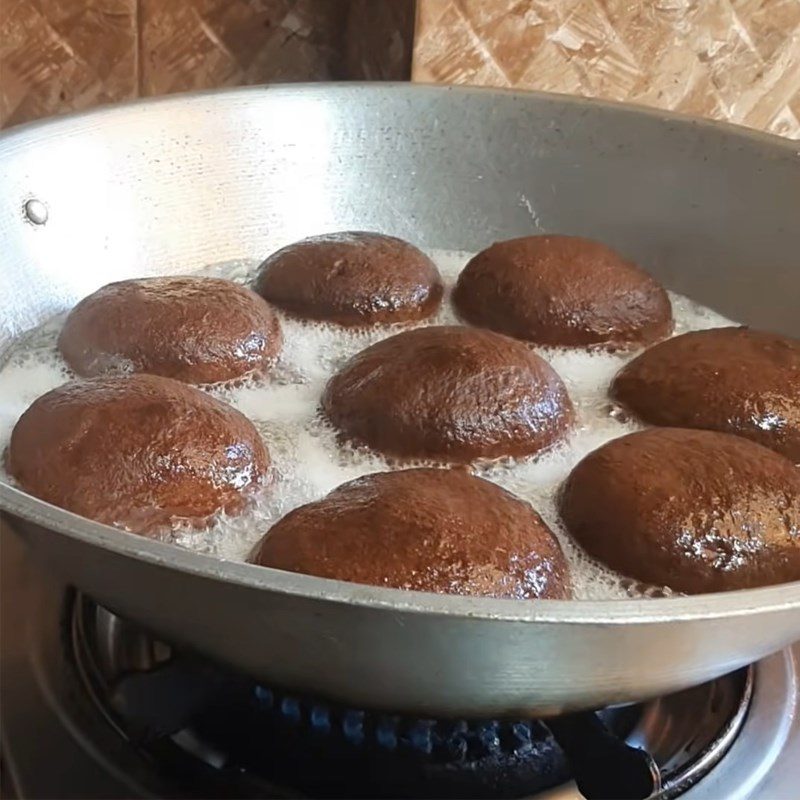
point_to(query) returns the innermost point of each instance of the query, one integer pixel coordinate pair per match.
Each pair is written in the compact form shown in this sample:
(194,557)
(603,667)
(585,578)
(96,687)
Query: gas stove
(94,707)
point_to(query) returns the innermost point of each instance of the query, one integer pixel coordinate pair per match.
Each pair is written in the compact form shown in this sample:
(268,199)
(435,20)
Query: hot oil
(307,460)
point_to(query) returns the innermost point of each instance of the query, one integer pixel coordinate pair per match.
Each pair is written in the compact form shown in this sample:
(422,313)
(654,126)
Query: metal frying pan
(171,185)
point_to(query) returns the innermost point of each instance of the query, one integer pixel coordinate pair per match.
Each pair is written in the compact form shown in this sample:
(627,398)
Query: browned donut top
(352,278)
(139,452)
(734,380)
(198,330)
(426,529)
(562,290)
(449,394)
(698,511)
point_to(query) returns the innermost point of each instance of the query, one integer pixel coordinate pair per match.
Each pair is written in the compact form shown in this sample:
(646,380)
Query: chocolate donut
(697,511)
(198,330)
(734,380)
(353,279)
(562,290)
(139,452)
(449,394)
(431,530)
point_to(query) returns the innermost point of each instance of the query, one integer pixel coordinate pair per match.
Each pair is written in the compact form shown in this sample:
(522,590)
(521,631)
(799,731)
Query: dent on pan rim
(742,602)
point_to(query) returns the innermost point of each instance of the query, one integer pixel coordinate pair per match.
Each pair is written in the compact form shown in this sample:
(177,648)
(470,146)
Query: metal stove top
(59,740)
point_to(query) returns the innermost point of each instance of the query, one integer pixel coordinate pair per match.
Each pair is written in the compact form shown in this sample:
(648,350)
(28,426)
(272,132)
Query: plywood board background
(737,60)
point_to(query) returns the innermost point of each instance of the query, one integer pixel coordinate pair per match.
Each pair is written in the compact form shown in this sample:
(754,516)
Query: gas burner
(194,718)
(179,709)
(92,707)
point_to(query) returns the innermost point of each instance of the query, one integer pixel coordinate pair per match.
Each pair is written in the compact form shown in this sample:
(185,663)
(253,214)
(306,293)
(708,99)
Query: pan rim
(26,129)
(738,603)
(13,501)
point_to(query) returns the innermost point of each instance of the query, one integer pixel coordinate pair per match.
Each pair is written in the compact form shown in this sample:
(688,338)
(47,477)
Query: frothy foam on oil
(308,462)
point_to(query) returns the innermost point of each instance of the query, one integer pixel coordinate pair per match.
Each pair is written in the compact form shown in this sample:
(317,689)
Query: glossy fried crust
(562,290)
(733,380)
(198,330)
(426,529)
(449,394)
(139,452)
(697,511)
(352,278)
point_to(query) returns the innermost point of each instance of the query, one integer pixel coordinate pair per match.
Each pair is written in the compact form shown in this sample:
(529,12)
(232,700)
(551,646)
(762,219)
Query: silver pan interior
(170,185)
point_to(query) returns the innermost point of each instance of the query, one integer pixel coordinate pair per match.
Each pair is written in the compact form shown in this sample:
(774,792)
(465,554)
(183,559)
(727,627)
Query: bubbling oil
(308,461)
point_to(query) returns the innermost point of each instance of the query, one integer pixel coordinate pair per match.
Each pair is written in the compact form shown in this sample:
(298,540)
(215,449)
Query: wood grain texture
(378,40)
(62,55)
(737,60)
(194,44)
(56,54)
